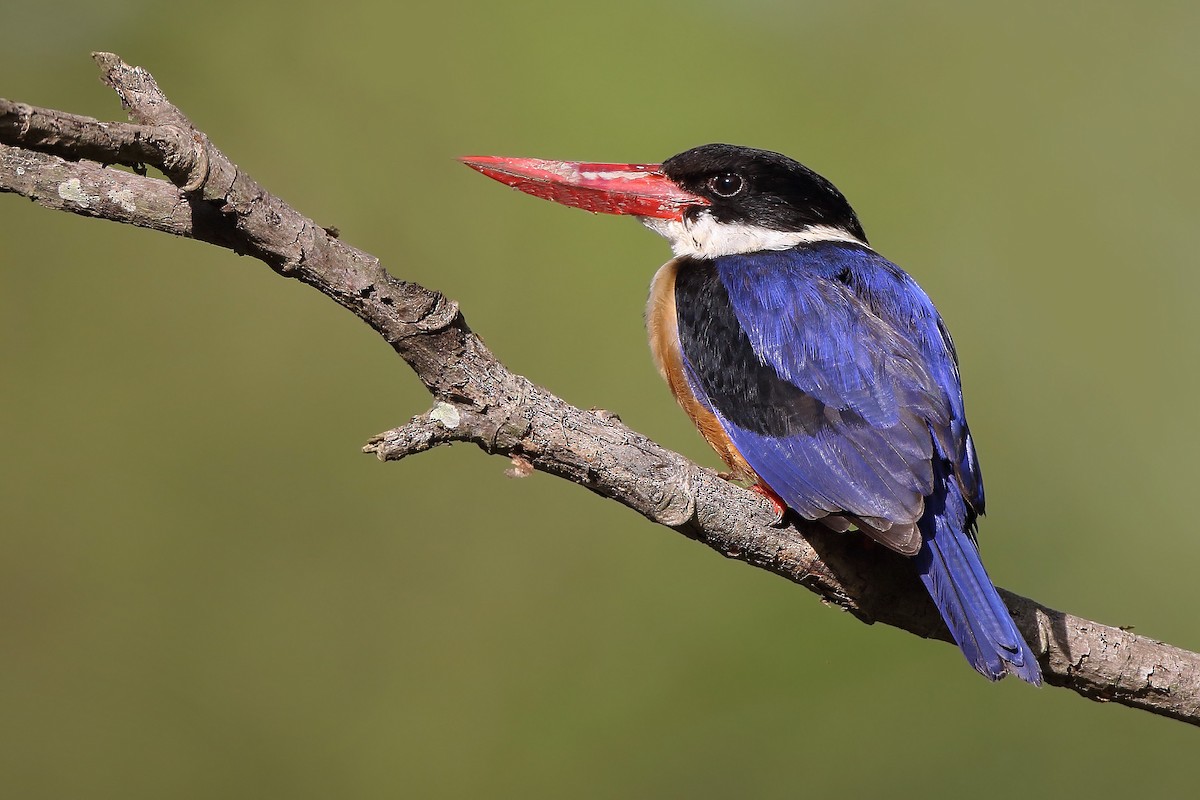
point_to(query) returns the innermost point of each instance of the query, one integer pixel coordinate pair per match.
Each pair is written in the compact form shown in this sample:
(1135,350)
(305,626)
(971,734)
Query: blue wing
(847,363)
(836,380)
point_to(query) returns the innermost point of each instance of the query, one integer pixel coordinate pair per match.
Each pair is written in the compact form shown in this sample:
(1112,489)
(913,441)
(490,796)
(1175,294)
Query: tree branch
(59,160)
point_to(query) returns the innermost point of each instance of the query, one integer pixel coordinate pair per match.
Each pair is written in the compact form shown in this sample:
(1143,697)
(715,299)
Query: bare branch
(57,160)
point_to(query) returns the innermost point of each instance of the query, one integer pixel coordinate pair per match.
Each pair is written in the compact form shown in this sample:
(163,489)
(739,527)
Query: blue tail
(950,568)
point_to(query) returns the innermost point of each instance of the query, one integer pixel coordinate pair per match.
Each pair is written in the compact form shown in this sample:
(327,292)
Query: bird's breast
(662,324)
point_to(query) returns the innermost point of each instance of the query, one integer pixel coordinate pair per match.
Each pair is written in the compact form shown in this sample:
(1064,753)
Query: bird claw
(777,504)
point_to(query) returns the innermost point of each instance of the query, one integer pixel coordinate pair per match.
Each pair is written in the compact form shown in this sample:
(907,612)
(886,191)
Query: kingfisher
(819,371)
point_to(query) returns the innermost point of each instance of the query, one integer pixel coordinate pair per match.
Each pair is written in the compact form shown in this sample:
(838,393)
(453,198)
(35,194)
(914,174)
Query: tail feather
(952,572)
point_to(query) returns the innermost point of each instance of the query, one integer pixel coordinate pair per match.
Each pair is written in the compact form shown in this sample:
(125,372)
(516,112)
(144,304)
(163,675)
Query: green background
(207,591)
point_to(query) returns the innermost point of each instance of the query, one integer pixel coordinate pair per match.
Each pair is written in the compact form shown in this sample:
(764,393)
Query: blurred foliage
(206,591)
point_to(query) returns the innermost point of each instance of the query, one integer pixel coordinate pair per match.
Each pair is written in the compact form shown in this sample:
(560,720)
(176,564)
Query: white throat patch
(706,238)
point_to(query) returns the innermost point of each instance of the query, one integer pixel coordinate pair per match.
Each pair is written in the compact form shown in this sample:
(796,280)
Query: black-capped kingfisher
(819,371)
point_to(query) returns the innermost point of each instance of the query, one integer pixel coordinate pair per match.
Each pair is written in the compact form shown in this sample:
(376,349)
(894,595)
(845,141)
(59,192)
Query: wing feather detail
(830,371)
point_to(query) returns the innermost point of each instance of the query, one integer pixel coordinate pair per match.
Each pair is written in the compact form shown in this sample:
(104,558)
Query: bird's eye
(727,184)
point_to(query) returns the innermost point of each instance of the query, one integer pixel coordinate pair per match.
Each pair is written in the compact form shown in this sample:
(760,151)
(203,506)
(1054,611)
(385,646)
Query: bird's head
(710,201)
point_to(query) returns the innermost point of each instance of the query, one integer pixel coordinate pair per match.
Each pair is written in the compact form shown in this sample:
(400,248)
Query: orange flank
(663,326)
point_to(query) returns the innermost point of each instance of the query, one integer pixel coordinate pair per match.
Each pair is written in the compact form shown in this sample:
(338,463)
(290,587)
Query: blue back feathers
(834,376)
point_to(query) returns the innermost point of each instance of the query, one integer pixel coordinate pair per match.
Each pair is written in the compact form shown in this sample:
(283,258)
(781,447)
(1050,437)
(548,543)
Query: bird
(819,371)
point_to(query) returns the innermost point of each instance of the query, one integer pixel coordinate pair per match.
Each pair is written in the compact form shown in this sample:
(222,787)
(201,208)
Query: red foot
(776,503)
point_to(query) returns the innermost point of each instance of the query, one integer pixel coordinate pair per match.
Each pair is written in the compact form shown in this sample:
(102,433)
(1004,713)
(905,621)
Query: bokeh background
(207,591)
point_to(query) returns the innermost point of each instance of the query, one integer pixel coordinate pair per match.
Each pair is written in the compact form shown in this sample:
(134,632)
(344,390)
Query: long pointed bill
(638,189)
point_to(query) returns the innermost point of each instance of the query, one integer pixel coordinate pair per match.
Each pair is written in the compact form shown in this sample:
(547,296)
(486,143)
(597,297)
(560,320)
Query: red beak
(638,189)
